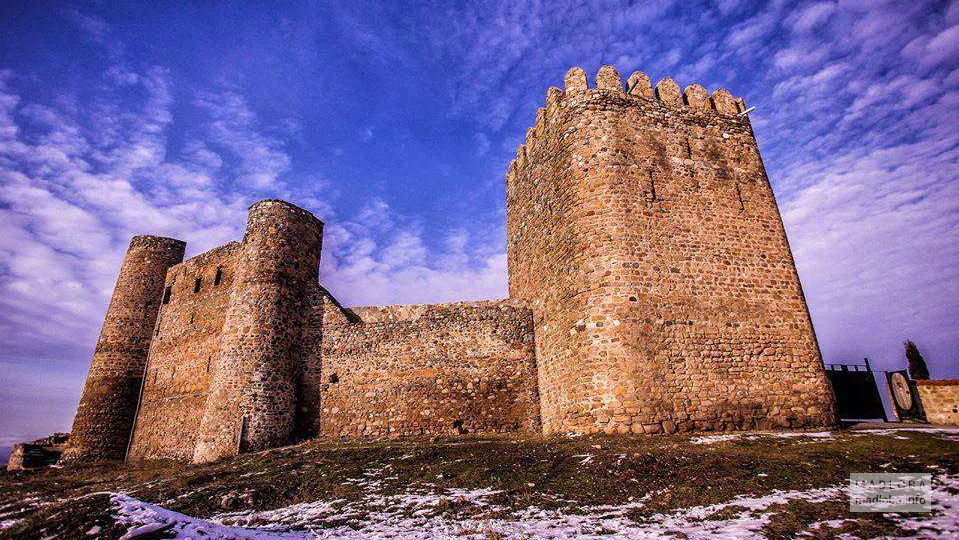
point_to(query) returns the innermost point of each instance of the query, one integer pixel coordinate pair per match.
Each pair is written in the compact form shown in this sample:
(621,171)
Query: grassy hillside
(764,485)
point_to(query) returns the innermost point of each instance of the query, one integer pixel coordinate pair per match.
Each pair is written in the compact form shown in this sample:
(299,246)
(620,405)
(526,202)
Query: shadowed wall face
(643,230)
(182,354)
(101,428)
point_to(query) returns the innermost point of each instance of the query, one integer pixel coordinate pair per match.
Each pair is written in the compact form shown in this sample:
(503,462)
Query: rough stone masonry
(651,290)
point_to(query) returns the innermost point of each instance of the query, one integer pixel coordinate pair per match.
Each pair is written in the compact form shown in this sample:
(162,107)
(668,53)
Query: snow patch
(710,439)
(949,434)
(402,516)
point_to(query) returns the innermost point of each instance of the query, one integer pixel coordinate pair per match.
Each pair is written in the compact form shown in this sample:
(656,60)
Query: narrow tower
(252,400)
(644,233)
(101,428)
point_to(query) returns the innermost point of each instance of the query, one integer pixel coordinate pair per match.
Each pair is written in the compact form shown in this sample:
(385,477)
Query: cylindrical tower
(252,400)
(101,428)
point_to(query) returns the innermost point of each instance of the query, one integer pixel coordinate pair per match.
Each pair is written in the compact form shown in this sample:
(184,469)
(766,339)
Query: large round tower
(252,400)
(101,428)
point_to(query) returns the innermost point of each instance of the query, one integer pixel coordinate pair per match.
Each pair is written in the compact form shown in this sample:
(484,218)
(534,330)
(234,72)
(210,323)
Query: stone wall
(185,342)
(940,400)
(326,311)
(327,371)
(104,419)
(39,453)
(441,369)
(643,231)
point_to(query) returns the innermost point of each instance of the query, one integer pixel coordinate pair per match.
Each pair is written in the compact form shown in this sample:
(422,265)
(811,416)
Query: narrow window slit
(218,277)
(241,439)
(167,293)
(652,187)
(197,284)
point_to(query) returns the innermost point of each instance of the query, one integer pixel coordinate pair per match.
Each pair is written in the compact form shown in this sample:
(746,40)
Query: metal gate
(857,396)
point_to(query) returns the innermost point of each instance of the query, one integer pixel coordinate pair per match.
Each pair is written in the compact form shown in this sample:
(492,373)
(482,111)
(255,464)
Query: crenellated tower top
(608,80)
(667,90)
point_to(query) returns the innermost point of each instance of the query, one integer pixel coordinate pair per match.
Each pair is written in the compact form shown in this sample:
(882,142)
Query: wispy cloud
(381,257)
(71,201)
(259,160)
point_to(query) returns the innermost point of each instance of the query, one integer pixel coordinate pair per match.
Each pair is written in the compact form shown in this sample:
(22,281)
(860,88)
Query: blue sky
(394,123)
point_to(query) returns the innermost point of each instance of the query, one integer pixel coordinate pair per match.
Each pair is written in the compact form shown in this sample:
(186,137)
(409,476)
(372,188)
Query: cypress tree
(917,364)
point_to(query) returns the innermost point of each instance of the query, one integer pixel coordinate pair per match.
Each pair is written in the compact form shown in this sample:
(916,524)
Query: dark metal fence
(857,395)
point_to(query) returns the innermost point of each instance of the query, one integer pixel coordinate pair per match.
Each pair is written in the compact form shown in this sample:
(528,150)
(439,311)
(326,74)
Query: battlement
(667,91)
(608,83)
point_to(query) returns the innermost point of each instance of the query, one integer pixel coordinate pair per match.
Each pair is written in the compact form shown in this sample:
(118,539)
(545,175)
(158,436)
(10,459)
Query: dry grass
(527,471)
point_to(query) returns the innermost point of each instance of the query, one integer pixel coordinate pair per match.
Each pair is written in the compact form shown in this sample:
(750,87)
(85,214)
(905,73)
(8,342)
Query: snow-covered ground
(951,434)
(416,516)
(8,511)
(752,436)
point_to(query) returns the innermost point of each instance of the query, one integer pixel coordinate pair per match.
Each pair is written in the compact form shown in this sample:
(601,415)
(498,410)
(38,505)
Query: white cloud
(874,238)
(933,51)
(71,198)
(379,257)
(812,16)
(259,159)
(481,144)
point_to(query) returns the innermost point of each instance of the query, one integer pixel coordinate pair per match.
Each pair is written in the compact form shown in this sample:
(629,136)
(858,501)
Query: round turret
(252,399)
(101,428)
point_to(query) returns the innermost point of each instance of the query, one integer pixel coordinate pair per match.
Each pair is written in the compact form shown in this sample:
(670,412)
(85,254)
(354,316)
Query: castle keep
(651,290)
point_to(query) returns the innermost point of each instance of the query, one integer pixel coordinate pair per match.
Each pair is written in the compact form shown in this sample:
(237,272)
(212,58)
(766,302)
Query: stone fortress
(651,290)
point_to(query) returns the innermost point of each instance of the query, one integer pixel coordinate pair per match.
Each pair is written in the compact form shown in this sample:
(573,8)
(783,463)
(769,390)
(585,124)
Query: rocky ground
(753,485)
